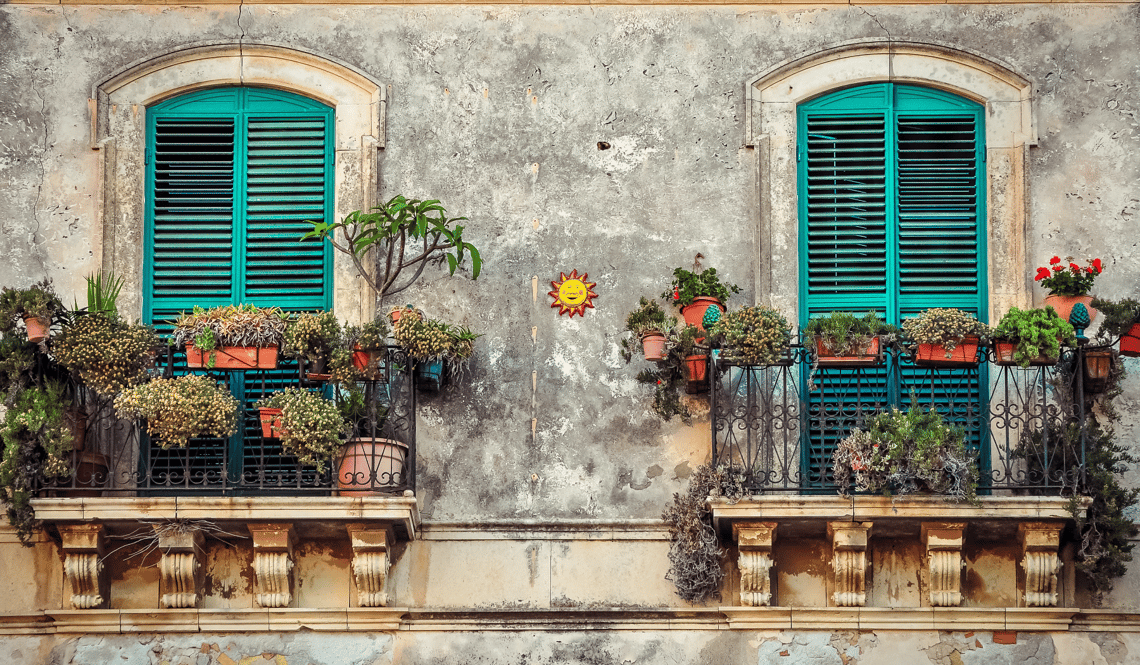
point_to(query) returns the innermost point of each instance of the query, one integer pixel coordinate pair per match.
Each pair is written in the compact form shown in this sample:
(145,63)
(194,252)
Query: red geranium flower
(1042,273)
(1096,264)
(1055,260)
(1058,268)
(1075,268)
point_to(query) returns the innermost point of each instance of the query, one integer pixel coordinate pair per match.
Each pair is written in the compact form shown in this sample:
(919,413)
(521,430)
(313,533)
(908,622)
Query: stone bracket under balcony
(912,551)
(179,525)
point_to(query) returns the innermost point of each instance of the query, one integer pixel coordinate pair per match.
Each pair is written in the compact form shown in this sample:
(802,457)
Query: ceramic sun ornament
(573,294)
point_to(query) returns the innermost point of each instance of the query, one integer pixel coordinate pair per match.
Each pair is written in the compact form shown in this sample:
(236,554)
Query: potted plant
(1031,337)
(438,348)
(648,324)
(104,352)
(685,341)
(843,339)
(310,427)
(420,226)
(945,336)
(1069,284)
(754,336)
(231,336)
(37,306)
(35,444)
(371,460)
(903,452)
(1121,323)
(695,293)
(179,409)
(311,338)
(368,345)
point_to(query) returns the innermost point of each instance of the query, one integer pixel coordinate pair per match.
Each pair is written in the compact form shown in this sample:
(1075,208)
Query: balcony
(118,459)
(780,423)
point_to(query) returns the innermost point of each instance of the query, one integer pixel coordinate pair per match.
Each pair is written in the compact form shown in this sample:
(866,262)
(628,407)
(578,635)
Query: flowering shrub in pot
(232,336)
(37,306)
(1069,284)
(311,428)
(106,353)
(311,339)
(648,324)
(753,336)
(438,348)
(179,409)
(945,336)
(695,293)
(903,452)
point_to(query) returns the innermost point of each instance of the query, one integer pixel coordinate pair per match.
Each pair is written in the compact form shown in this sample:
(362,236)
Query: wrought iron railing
(781,423)
(118,458)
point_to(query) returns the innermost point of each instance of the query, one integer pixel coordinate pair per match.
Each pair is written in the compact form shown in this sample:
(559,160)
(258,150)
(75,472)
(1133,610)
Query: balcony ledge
(311,516)
(812,512)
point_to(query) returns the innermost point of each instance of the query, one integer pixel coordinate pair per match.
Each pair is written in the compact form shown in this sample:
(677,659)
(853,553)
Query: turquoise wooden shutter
(891,196)
(232,175)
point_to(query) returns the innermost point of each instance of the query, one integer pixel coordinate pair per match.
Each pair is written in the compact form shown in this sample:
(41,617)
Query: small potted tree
(945,336)
(648,324)
(37,306)
(1031,337)
(904,452)
(843,339)
(232,336)
(695,293)
(754,336)
(368,345)
(1121,323)
(179,409)
(311,338)
(1069,284)
(310,427)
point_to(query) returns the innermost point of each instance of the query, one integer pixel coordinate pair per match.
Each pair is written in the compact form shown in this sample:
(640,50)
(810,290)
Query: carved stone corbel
(754,541)
(1040,542)
(944,542)
(180,568)
(273,563)
(83,566)
(849,560)
(370,563)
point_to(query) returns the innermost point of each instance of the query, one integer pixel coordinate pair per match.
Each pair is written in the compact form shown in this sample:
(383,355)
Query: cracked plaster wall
(572,647)
(498,111)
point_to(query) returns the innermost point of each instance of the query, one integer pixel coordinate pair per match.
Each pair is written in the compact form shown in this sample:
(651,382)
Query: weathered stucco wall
(498,112)
(583,647)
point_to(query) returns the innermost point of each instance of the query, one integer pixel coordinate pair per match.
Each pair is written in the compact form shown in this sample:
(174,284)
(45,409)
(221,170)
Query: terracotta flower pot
(826,357)
(38,329)
(1003,355)
(1064,305)
(654,345)
(270,423)
(369,363)
(1130,342)
(694,314)
(233,357)
(371,465)
(964,354)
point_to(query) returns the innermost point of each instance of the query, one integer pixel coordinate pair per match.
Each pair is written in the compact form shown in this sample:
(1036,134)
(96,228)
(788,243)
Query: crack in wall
(241,44)
(890,43)
(37,246)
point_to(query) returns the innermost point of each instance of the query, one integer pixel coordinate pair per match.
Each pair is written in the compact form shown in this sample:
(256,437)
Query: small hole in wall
(602,145)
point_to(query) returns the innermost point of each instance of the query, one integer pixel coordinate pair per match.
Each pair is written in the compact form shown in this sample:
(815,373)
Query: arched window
(232,175)
(891,188)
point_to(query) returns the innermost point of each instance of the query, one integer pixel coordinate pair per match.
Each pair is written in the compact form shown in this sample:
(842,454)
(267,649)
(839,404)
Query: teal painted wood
(892,218)
(232,176)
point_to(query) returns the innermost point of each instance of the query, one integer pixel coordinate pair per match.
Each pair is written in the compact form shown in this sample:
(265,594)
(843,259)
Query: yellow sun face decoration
(573,294)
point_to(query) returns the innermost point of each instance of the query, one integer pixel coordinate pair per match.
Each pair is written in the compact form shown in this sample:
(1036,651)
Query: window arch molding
(774,96)
(118,130)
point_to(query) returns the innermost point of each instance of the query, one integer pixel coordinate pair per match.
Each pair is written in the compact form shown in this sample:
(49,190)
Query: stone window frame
(772,101)
(118,130)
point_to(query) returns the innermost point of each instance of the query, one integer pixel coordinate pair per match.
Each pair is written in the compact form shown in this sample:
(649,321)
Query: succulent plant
(179,409)
(943,326)
(1037,332)
(106,353)
(231,325)
(312,336)
(429,339)
(753,335)
(312,428)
